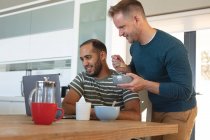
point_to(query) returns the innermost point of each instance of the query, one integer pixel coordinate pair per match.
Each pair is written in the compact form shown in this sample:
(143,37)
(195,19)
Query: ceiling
(10,3)
(11,6)
(197,12)
(151,8)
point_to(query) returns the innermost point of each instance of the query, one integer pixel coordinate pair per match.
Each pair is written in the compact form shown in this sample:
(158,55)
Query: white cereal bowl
(121,79)
(106,113)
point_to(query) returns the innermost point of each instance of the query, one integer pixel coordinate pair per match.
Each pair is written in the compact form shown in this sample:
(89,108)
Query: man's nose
(120,33)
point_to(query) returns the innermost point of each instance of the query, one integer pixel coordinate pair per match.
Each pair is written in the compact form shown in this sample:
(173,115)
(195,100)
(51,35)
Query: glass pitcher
(42,103)
(43,93)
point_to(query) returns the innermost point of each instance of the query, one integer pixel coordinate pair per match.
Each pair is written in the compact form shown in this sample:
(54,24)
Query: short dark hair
(97,44)
(126,6)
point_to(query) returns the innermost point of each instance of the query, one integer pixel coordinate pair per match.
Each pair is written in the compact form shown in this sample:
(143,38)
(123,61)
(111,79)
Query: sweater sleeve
(179,71)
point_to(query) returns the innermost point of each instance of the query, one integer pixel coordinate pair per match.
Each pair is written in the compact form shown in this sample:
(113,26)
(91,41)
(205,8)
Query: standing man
(96,85)
(159,65)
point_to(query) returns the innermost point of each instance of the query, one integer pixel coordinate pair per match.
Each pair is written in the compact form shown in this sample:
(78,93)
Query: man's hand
(139,83)
(119,64)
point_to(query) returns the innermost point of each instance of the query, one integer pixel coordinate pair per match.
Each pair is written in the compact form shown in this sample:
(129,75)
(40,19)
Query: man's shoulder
(80,75)
(84,77)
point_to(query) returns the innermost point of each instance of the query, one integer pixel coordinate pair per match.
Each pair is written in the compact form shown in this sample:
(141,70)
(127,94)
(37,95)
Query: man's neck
(105,72)
(150,35)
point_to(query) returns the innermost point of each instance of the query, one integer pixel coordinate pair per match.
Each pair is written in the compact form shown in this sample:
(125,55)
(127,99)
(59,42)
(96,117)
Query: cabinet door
(52,45)
(12,105)
(14,49)
(5,108)
(42,33)
(52,33)
(14,39)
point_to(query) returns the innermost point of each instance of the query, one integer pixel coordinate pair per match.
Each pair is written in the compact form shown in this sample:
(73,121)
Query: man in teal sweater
(159,65)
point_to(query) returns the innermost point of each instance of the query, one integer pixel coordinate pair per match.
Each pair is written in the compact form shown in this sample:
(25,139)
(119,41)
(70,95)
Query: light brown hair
(126,7)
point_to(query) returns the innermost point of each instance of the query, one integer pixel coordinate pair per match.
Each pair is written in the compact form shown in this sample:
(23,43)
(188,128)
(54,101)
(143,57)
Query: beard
(129,39)
(97,70)
(133,35)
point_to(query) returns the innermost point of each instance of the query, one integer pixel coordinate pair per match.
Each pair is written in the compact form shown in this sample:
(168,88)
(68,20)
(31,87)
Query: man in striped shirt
(96,85)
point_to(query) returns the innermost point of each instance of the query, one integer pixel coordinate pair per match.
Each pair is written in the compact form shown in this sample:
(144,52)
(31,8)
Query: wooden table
(21,127)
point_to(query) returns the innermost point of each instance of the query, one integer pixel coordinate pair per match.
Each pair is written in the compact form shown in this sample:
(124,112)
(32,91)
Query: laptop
(29,83)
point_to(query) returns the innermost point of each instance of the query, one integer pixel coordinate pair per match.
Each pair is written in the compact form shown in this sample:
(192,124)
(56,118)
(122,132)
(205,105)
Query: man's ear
(136,19)
(103,55)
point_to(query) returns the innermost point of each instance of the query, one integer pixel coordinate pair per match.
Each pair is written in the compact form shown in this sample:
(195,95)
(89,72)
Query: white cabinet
(38,34)
(42,39)
(50,33)
(54,44)
(12,105)
(14,39)
(10,51)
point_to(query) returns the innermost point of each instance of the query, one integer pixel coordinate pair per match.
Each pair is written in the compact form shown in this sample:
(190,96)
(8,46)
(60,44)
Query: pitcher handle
(30,98)
(62,114)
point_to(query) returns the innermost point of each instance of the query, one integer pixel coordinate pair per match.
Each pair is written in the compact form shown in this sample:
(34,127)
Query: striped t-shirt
(101,92)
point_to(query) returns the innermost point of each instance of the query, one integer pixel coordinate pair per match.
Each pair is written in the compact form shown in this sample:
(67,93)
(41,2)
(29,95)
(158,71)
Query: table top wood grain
(21,127)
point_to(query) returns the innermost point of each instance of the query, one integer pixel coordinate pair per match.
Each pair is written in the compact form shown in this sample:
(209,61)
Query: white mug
(83,111)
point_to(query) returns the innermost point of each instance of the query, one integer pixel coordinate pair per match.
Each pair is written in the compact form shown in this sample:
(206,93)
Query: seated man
(97,87)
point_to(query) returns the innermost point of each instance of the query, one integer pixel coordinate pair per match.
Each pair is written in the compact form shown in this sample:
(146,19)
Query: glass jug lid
(46,83)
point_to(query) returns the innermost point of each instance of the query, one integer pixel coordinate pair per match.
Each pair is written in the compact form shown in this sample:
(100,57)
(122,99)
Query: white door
(203,84)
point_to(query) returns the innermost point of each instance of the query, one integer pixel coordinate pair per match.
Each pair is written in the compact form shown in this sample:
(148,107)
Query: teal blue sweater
(164,59)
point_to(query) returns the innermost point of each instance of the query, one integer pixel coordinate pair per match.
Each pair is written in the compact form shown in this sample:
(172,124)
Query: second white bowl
(106,113)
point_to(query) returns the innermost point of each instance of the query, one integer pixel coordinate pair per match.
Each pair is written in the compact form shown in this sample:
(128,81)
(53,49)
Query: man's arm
(131,111)
(138,84)
(69,102)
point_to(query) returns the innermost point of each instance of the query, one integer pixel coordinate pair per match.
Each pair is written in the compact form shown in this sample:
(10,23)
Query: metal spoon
(113,104)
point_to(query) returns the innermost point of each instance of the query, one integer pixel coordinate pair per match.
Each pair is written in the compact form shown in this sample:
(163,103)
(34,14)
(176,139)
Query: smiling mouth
(88,69)
(126,36)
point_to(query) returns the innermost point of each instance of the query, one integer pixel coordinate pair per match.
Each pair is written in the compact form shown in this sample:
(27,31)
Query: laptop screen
(29,83)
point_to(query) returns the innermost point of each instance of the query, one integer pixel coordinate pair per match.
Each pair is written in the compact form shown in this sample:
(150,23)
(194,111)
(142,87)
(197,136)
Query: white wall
(159,7)
(184,21)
